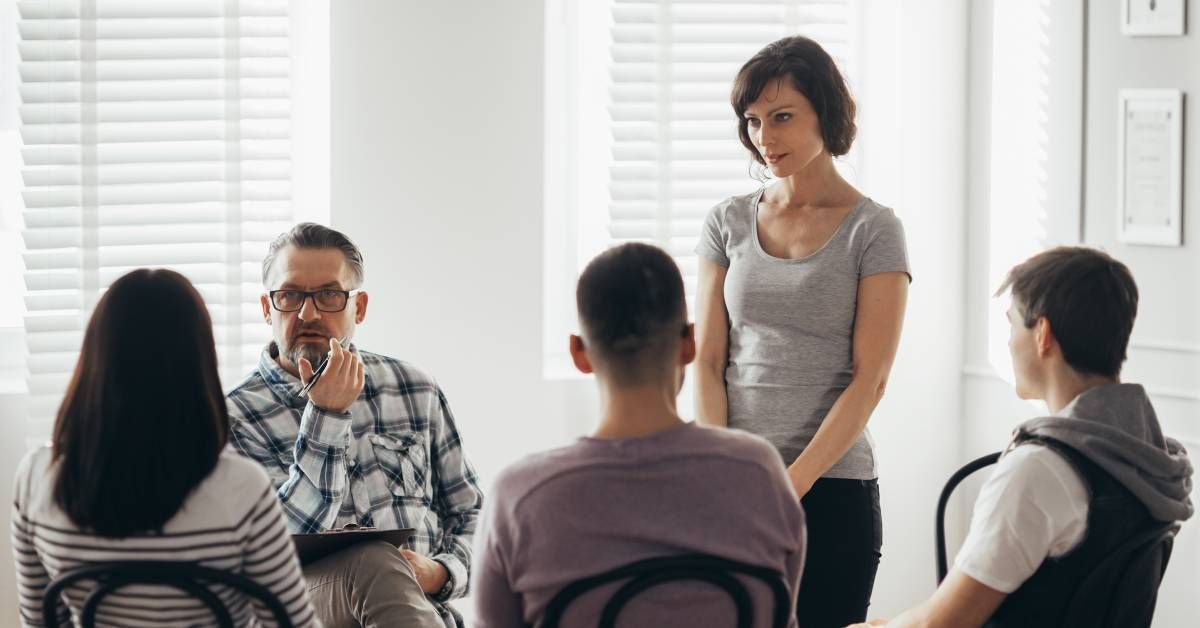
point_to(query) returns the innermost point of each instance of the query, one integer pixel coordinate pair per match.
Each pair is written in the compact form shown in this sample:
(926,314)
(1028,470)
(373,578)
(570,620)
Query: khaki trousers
(368,585)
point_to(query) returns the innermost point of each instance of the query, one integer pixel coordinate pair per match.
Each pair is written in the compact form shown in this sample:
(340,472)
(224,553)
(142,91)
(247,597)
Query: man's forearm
(318,477)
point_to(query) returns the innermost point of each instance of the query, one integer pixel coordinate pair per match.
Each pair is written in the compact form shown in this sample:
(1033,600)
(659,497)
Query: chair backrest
(646,574)
(1122,590)
(1131,572)
(944,499)
(191,578)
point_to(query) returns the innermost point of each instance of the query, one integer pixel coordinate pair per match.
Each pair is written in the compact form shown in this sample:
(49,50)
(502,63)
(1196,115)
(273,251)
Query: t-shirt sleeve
(886,250)
(714,237)
(497,603)
(1034,506)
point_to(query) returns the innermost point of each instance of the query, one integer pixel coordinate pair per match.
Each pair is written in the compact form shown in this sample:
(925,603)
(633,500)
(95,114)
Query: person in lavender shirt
(644,484)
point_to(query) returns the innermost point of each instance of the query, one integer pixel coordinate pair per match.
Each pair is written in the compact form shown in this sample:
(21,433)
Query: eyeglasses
(325,300)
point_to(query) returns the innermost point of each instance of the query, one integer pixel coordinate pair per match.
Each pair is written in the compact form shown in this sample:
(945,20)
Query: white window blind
(155,133)
(675,151)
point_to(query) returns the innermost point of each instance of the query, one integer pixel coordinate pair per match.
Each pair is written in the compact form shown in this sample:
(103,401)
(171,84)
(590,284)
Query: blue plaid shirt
(393,460)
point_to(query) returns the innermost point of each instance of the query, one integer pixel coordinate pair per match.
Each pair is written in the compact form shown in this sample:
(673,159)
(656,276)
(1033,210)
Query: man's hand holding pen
(338,383)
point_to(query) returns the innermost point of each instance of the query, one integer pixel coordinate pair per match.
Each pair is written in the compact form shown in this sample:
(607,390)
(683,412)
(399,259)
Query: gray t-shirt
(791,322)
(558,516)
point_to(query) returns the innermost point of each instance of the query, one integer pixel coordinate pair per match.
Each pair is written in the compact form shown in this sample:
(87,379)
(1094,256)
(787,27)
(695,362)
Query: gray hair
(310,235)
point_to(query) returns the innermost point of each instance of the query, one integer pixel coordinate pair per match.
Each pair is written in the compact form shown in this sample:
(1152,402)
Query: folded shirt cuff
(458,577)
(326,428)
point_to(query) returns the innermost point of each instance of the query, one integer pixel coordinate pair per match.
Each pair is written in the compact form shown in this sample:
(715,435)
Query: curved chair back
(191,578)
(646,574)
(944,499)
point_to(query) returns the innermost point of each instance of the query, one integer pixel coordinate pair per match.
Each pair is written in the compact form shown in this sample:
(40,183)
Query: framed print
(1153,17)
(1150,166)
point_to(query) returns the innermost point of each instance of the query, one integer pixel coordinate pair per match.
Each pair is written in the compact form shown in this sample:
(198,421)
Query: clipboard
(312,547)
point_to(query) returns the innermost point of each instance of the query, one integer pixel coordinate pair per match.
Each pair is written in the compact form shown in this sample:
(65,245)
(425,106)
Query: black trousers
(845,534)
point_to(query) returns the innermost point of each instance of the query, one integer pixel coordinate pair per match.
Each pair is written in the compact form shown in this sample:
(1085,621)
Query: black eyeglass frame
(311,294)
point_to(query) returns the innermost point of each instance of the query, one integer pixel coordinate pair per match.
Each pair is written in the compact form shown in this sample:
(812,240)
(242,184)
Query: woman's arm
(878,320)
(712,346)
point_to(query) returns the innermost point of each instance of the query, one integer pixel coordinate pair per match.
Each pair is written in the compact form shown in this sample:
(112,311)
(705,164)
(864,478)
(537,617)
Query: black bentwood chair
(1120,592)
(646,574)
(190,578)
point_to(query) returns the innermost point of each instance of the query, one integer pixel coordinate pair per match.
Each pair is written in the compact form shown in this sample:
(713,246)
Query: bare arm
(712,346)
(878,320)
(961,602)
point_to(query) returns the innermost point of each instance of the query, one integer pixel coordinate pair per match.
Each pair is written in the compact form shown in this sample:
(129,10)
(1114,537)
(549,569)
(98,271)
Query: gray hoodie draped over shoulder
(1115,427)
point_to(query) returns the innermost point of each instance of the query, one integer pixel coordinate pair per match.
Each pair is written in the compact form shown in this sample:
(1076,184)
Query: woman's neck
(817,185)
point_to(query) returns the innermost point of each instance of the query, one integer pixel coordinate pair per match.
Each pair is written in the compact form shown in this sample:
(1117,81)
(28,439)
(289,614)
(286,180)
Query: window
(157,134)
(641,141)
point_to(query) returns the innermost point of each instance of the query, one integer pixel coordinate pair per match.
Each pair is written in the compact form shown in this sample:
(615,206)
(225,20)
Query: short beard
(314,353)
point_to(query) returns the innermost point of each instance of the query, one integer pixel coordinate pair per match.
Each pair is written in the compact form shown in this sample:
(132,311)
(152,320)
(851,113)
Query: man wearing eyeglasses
(371,443)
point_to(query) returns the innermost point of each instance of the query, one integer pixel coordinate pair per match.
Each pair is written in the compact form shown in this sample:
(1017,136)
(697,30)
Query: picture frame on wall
(1150,166)
(1150,18)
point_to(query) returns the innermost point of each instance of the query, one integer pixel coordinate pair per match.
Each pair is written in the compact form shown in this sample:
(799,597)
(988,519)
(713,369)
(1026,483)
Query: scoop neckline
(763,252)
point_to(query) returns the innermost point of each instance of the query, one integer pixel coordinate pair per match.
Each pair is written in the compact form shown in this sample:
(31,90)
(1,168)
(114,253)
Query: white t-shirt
(1034,506)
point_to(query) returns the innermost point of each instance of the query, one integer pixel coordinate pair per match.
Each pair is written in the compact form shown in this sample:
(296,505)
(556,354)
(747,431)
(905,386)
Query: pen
(316,375)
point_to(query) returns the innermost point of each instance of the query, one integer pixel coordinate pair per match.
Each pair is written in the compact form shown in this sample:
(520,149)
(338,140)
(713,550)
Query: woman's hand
(802,480)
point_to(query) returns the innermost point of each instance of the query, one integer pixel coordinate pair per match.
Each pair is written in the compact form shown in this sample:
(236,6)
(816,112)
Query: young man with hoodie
(1074,485)
(645,484)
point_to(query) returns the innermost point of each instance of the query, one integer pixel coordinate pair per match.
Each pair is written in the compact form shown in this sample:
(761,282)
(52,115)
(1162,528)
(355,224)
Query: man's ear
(579,355)
(687,346)
(360,307)
(265,301)
(1043,336)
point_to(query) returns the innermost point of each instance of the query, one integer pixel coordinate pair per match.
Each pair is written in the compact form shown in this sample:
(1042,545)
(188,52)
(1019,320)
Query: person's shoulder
(252,386)
(32,471)
(406,373)
(237,472)
(726,447)
(733,207)
(529,473)
(234,486)
(1033,463)
(732,441)
(1035,474)
(875,216)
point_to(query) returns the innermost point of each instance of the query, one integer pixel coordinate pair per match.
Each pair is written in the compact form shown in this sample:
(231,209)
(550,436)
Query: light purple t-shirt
(584,509)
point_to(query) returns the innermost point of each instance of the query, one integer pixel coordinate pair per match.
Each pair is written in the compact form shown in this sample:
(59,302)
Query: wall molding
(1154,344)
(987,372)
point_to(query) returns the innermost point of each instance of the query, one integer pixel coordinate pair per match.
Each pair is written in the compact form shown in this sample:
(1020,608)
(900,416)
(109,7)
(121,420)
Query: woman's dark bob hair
(814,74)
(144,419)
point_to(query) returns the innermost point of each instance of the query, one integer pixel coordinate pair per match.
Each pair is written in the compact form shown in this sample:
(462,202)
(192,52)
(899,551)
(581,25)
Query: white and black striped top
(231,521)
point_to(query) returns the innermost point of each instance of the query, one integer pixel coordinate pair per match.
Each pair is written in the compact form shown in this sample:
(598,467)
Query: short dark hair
(632,310)
(310,235)
(814,74)
(1089,298)
(144,419)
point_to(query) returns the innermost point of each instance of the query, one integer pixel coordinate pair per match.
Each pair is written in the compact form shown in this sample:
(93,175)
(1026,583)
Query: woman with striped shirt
(138,470)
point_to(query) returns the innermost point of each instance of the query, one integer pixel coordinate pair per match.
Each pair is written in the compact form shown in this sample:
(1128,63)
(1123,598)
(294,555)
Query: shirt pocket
(403,461)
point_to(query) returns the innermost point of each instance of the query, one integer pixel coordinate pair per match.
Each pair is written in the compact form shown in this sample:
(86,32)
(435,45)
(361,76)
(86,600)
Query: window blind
(675,151)
(154,134)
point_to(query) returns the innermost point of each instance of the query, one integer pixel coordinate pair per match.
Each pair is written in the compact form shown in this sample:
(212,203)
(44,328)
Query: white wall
(437,175)
(913,142)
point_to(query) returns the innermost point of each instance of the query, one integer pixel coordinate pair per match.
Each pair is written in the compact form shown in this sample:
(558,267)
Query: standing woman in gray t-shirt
(801,299)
